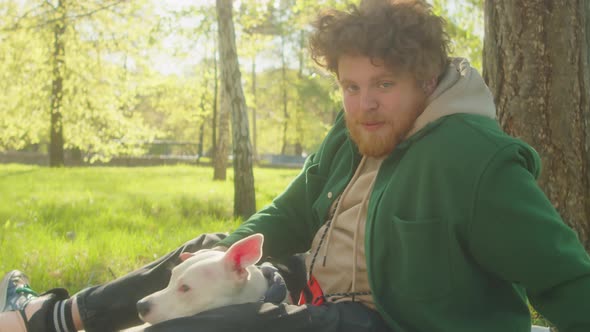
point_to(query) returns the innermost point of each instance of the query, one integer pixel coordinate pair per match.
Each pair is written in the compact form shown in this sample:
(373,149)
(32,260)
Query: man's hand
(277,289)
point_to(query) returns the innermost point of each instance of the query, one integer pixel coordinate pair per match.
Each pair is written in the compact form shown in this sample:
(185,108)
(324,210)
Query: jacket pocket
(421,267)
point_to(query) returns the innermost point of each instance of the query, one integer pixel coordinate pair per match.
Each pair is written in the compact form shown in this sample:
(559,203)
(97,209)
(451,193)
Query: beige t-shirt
(336,272)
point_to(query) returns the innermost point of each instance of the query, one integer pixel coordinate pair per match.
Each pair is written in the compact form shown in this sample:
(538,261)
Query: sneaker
(15,292)
(17,295)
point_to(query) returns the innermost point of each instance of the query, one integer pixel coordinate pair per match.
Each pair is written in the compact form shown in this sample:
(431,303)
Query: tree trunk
(214,115)
(202,126)
(200,144)
(220,129)
(536,62)
(244,199)
(220,159)
(56,137)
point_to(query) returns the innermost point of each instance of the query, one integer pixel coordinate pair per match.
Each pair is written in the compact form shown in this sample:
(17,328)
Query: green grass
(74,227)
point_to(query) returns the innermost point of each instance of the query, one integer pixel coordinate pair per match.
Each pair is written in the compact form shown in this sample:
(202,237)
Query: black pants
(268,317)
(112,306)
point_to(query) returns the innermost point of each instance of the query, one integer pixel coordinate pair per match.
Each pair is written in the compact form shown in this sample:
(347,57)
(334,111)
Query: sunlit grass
(73,227)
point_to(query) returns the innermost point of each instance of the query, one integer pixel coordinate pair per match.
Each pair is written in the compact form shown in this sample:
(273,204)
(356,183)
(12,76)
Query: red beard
(377,143)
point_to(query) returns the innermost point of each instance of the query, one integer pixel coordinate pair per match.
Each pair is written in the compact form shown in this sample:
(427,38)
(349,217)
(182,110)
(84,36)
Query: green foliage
(117,96)
(465,27)
(23,101)
(174,110)
(99,85)
(82,226)
(312,110)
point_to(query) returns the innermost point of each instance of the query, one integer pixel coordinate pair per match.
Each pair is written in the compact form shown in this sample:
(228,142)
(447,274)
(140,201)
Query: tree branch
(16,26)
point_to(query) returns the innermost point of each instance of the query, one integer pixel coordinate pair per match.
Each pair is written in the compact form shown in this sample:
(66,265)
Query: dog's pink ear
(244,253)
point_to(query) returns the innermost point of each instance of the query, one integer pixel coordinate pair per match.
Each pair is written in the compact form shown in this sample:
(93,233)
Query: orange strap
(312,294)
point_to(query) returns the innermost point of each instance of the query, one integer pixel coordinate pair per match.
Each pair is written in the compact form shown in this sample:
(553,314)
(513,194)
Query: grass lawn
(74,227)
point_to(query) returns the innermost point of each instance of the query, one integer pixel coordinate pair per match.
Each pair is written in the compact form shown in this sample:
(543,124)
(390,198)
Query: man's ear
(242,254)
(428,86)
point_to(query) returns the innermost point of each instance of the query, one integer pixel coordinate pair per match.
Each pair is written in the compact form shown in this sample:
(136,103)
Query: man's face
(381,105)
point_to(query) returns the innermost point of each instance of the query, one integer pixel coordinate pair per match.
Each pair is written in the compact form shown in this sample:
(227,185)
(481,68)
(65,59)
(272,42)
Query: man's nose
(368,101)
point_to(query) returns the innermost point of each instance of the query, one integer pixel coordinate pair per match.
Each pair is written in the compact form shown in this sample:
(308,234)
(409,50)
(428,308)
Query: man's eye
(183,288)
(351,88)
(386,84)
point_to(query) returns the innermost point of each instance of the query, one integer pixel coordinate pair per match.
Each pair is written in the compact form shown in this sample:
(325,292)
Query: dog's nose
(143,308)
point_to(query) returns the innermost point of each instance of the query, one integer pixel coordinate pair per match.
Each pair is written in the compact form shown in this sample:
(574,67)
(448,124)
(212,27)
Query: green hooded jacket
(459,237)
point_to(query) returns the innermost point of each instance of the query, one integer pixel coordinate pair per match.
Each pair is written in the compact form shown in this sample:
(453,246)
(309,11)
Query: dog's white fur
(215,279)
(209,279)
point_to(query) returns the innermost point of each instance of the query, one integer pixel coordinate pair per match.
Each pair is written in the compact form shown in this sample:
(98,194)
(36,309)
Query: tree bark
(214,116)
(244,198)
(202,126)
(536,62)
(56,137)
(201,137)
(221,147)
(220,129)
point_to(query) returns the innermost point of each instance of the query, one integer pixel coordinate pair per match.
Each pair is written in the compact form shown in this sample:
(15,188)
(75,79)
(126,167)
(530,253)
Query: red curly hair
(405,34)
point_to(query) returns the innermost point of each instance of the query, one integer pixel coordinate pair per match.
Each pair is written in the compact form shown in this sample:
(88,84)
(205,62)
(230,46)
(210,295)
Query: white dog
(209,279)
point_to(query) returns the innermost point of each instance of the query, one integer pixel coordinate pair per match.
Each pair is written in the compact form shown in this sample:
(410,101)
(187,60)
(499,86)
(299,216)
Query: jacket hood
(460,90)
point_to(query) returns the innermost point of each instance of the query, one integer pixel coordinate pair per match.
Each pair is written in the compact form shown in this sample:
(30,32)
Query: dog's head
(207,280)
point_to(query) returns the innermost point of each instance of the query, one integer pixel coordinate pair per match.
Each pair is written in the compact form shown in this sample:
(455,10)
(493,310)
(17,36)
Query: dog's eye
(183,288)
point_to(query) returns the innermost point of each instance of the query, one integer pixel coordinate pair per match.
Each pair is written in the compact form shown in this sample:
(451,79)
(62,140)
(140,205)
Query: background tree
(23,105)
(193,32)
(537,64)
(290,108)
(56,137)
(464,25)
(244,199)
(256,21)
(144,71)
(85,92)
(223,136)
